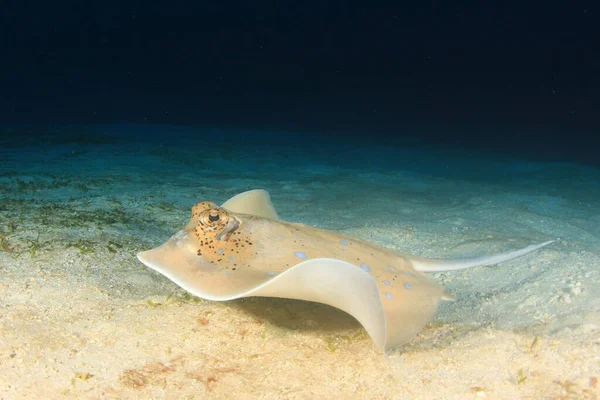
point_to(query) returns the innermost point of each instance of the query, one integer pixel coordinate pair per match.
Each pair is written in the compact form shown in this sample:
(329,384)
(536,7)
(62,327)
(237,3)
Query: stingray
(243,249)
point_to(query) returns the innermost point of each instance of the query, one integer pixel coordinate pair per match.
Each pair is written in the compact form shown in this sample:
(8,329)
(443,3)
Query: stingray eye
(213,218)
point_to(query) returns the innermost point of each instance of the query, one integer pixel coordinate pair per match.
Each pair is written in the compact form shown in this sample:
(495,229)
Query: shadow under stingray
(297,314)
(310,317)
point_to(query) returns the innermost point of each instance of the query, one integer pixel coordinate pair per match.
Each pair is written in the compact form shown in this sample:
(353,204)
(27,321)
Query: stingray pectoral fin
(178,260)
(335,283)
(254,202)
(442,265)
(323,280)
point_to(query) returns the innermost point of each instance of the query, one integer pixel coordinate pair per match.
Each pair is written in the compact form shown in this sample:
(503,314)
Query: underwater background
(440,130)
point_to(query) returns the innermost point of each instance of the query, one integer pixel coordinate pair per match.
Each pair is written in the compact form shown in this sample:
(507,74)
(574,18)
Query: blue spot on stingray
(408,274)
(388,296)
(230,259)
(271,273)
(300,254)
(343,242)
(365,267)
(407,286)
(387,283)
(227,273)
(389,268)
(220,252)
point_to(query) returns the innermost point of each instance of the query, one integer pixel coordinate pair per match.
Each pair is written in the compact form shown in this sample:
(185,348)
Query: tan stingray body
(242,249)
(259,249)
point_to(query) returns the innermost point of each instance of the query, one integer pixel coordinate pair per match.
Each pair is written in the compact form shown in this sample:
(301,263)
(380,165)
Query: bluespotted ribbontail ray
(242,249)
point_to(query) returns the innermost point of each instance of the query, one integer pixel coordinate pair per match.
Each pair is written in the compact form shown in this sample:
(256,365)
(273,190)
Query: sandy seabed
(80,317)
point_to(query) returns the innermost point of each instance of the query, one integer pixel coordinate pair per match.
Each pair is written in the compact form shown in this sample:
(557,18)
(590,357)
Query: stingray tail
(441,265)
